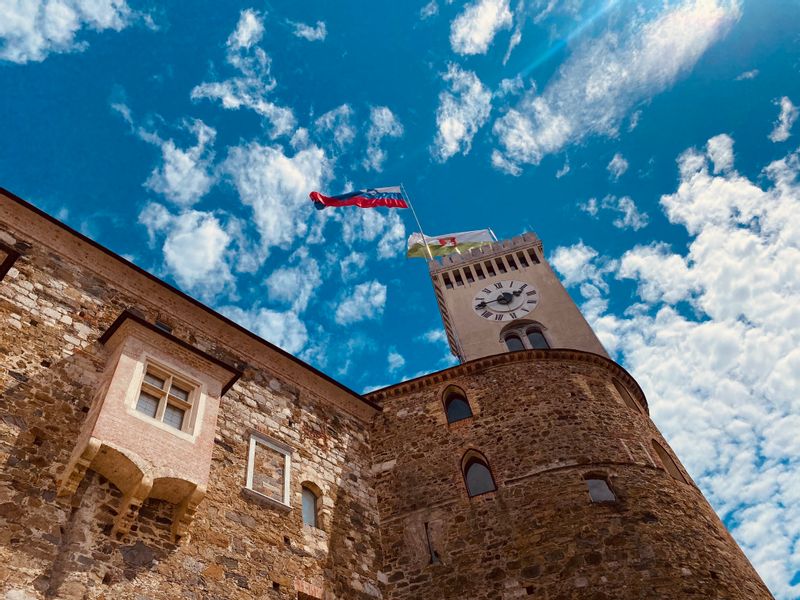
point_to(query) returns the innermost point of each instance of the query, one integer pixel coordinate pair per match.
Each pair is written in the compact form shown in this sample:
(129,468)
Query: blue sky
(651,145)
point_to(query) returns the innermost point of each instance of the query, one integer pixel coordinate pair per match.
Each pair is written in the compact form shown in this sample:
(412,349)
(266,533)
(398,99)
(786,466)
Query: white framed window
(167,397)
(269,464)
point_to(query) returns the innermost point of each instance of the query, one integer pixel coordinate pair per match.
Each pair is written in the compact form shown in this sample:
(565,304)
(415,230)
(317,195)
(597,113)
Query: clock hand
(503,296)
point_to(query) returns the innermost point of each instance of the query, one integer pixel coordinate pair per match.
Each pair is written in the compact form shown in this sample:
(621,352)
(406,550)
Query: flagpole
(413,212)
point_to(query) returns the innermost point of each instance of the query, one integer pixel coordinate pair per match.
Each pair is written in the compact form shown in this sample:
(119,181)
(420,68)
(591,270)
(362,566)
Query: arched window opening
(513,343)
(537,339)
(477,475)
(599,489)
(310,506)
(456,405)
(668,463)
(625,394)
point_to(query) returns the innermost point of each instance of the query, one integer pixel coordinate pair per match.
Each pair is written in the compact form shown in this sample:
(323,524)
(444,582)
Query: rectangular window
(468,273)
(479,272)
(522,260)
(447,283)
(166,398)
(490,269)
(501,266)
(457,277)
(511,263)
(533,256)
(599,491)
(268,468)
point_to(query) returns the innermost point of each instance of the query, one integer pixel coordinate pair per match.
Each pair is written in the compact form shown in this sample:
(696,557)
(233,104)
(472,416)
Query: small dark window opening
(599,490)
(479,272)
(468,273)
(537,339)
(511,262)
(522,260)
(435,560)
(457,276)
(513,343)
(533,256)
(478,477)
(456,407)
(447,283)
(490,268)
(500,264)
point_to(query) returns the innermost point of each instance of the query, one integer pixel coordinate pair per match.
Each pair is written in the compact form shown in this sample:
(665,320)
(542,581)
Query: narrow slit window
(522,260)
(599,490)
(512,265)
(468,274)
(514,343)
(478,477)
(457,277)
(490,268)
(447,283)
(479,272)
(501,266)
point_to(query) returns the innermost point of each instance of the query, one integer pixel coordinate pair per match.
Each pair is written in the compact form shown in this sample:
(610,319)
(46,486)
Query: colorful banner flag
(391,197)
(448,243)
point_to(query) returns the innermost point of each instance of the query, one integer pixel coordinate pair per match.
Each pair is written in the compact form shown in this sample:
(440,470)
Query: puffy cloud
(195,248)
(463,109)
(32,29)
(434,336)
(617,166)
(337,122)
(395,360)
(352,265)
(713,337)
(382,123)
(295,285)
(307,32)
(276,187)
(629,216)
(366,302)
(369,225)
(720,151)
(786,118)
(282,328)
(254,83)
(431,9)
(596,86)
(474,28)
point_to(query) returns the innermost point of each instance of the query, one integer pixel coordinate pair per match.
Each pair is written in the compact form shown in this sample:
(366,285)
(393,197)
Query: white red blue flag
(391,197)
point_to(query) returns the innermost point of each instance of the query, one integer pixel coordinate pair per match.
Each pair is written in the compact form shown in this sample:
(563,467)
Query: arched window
(668,463)
(310,505)
(456,406)
(513,343)
(625,394)
(537,339)
(477,475)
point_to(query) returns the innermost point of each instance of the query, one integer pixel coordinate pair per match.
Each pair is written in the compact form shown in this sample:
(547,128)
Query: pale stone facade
(151,448)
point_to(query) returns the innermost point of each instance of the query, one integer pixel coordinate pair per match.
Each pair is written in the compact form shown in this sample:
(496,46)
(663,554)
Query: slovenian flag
(391,197)
(441,245)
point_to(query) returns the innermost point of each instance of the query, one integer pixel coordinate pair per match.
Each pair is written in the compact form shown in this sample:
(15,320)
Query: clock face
(505,300)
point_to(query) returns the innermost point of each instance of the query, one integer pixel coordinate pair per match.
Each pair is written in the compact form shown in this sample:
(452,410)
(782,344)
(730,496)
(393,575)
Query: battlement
(499,248)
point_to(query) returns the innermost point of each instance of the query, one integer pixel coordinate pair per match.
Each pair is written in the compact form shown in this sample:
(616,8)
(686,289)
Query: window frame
(256,437)
(191,406)
(540,331)
(312,489)
(472,457)
(597,477)
(447,398)
(514,334)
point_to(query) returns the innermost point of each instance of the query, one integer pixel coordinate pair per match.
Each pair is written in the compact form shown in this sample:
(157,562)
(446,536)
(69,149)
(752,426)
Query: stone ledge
(263,500)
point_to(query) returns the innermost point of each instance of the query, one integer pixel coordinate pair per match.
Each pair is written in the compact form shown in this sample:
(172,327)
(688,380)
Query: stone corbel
(184,512)
(130,504)
(77,466)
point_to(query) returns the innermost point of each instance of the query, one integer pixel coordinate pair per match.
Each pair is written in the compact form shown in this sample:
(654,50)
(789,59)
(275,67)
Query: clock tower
(503,297)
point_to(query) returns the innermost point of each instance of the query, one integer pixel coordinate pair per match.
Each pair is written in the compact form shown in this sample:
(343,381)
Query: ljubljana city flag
(441,245)
(391,197)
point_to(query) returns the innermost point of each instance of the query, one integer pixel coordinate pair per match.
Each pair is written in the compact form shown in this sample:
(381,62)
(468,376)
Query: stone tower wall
(544,420)
(55,302)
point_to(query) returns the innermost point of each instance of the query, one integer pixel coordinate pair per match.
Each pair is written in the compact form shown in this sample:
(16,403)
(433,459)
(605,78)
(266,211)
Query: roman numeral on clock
(486,314)
(498,285)
(532,293)
(498,317)
(513,315)
(486,291)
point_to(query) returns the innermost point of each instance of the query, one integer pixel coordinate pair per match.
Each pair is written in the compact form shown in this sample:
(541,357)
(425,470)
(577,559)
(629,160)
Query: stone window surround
(318,500)
(469,457)
(256,437)
(451,388)
(8,260)
(197,398)
(520,329)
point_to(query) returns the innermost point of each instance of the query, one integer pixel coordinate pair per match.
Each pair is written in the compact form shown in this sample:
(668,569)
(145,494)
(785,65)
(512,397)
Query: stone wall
(53,307)
(544,420)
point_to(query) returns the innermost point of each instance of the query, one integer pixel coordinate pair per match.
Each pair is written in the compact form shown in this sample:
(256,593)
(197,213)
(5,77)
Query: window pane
(537,340)
(309,507)
(457,408)
(147,404)
(479,479)
(599,491)
(154,380)
(626,397)
(268,472)
(514,343)
(179,393)
(174,416)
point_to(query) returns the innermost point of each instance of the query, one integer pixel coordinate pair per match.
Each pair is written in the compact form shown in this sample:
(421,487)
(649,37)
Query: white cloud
(563,170)
(596,86)
(617,166)
(295,285)
(282,328)
(720,151)
(510,87)
(32,29)
(352,265)
(431,9)
(254,83)
(195,248)
(434,336)
(382,124)
(747,75)
(370,225)
(473,30)
(316,33)
(366,302)
(395,360)
(337,121)
(276,187)
(629,216)
(463,109)
(721,377)
(786,118)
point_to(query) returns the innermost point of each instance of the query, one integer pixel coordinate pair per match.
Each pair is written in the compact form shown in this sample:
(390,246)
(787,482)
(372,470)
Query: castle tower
(506,296)
(533,469)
